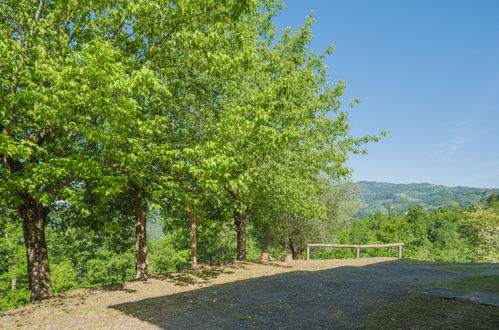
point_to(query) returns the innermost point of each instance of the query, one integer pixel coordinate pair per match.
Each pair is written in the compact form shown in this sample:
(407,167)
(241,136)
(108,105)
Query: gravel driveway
(330,298)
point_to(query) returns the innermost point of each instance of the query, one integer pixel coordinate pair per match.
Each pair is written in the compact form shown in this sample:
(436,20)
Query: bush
(164,258)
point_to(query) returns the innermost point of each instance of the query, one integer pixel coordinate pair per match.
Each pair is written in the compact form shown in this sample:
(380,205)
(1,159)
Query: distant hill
(379,195)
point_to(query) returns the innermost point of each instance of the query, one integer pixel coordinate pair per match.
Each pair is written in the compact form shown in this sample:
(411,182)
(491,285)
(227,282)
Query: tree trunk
(34,216)
(141,261)
(13,281)
(240,222)
(193,233)
(295,250)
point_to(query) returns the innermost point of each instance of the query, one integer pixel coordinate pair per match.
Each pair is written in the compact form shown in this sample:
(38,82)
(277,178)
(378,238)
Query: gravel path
(297,295)
(337,298)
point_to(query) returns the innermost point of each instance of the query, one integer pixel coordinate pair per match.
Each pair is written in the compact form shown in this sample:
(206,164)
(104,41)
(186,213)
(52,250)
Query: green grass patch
(428,312)
(484,284)
(468,268)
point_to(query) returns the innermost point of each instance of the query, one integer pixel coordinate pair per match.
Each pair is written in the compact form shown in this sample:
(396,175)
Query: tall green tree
(184,50)
(281,113)
(66,95)
(85,89)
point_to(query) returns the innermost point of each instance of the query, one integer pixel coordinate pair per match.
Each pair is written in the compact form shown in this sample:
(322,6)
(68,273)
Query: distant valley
(376,196)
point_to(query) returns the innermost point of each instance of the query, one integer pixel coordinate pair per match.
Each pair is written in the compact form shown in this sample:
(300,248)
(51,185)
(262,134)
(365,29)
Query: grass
(428,312)
(481,277)
(484,284)
(467,268)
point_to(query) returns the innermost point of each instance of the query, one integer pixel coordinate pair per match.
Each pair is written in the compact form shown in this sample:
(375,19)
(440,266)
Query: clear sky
(425,70)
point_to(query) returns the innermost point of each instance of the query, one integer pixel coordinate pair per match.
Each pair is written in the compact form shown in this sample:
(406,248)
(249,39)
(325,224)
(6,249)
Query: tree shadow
(332,298)
(111,288)
(192,276)
(206,273)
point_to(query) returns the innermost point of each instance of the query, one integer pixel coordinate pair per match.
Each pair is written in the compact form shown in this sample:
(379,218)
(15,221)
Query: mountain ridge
(378,196)
(426,183)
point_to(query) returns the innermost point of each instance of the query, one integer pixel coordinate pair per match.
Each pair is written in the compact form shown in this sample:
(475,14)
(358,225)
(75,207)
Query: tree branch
(233,194)
(65,182)
(37,13)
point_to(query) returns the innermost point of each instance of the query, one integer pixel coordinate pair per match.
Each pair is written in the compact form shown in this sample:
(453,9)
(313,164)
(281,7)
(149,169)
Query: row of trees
(114,109)
(85,253)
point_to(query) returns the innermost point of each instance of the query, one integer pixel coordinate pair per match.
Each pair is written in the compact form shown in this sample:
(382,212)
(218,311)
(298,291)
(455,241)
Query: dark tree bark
(189,210)
(34,217)
(240,222)
(141,261)
(295,250)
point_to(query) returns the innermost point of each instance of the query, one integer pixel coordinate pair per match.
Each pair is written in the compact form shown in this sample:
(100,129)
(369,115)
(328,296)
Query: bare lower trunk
(34,216)
(193,233)
(296,254)
(295,250)
(13,281)
(141,261)
(240,222)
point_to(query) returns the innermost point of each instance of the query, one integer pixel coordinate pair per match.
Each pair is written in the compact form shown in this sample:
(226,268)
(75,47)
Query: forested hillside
(375,196)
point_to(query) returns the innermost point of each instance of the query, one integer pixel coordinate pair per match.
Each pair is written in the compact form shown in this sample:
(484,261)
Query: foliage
(108,267)
(481,229)
(312,213)
(215,233)
(114,110)
(13,280)
(166,256)
(445,234)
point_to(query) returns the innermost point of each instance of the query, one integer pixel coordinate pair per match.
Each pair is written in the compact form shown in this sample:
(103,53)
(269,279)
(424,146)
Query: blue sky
(428,72)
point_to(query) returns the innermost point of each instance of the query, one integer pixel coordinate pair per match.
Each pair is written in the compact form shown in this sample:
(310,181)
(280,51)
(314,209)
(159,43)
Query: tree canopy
(113,111)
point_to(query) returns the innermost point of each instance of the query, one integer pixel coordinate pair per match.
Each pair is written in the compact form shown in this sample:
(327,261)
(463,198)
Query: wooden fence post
(358,253)
(400,252)
(308,253)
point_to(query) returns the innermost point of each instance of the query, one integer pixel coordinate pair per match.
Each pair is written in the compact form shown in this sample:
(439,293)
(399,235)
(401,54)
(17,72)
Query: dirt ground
(242,295)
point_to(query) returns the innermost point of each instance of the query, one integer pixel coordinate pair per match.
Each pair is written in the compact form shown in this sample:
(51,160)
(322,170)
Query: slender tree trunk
(34,217)
(13,281)
(240,222)
(296,254)
(295,250)
(193,235)
(141,262)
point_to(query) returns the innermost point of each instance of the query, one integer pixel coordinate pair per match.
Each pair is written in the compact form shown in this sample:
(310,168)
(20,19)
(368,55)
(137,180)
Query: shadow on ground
(333,298)
(205,274)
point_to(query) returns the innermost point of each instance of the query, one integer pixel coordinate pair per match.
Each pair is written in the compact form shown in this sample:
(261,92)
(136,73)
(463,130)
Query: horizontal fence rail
(357,247)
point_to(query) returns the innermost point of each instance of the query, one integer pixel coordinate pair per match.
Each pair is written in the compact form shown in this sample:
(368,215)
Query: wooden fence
(357,247)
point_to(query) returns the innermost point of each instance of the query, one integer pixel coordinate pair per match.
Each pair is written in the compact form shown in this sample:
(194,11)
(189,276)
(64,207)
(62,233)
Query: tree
(182,51)
(282,113)
(65,96)
(481,230)
(311,211)
(80,81)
